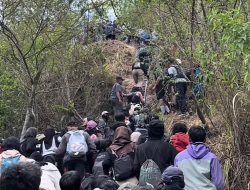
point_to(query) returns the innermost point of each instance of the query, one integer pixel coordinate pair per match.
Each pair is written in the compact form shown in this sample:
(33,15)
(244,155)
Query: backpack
(97,168)
(123,167)
(150,173)
(180,72)
(77,146)
(8,162)
(109,29)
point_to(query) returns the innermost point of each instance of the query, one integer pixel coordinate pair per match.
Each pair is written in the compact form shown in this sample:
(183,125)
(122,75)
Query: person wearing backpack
(179,138)
(110,31)
(76,146)
(139,71)
(11,155)
(29,142)
(120,155)
(153,156)
(201,168)
(116,97)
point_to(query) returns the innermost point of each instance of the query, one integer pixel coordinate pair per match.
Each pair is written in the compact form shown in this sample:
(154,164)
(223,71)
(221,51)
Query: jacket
(163,154)
(180,141)
(201,168)
(61,151)
(11,154)
(50,177)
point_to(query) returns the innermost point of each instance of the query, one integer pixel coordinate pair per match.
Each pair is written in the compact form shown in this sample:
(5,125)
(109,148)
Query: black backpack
(123,167)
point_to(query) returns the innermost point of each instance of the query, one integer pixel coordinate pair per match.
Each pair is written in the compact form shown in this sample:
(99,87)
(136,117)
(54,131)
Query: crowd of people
(98,155)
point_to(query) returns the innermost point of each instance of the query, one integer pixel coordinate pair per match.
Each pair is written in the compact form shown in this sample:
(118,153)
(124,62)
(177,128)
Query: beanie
(171,172)
(156,129)
(91,124)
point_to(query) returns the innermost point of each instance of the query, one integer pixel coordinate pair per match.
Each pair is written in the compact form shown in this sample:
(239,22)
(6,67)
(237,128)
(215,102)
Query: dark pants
(75,165)
(181,98)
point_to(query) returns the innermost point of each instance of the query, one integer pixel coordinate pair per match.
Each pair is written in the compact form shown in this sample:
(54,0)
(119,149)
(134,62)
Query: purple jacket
(201,168)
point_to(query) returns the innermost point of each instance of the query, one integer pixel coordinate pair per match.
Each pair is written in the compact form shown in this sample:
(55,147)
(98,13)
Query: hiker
(139,71)
(71,180)
(172,179)
(104,121)
(50,174)
(119,122)
(76,145)
(11,155)
(117,96)
(110,31)
(23,176)
(29,142)
(154,152)
(121,146)
(93,131)
(49,145)
(201,168)
(179,138)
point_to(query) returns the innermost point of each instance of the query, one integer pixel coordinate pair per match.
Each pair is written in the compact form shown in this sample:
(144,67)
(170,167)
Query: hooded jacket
(201,168)
(180,141)
(50,177)
(29,142)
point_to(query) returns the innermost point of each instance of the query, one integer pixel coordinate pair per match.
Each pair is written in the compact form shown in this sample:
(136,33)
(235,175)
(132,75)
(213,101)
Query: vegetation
(46,73)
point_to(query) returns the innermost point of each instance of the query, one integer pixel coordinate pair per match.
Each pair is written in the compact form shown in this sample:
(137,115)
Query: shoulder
(182,156)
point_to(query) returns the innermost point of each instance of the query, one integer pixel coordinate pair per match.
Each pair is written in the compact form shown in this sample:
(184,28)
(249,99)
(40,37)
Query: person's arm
(118,93)
(217,176)
(62,147)
(137,164)
(90,143)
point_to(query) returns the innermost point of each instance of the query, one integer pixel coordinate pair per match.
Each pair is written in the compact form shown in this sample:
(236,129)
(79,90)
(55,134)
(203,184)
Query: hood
(180,141)
(10,153)
(198,150)
(91,124)
(118,124)
(31,132)
(49,167)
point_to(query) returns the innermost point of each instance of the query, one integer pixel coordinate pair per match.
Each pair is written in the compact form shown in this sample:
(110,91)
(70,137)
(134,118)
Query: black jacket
(161,152)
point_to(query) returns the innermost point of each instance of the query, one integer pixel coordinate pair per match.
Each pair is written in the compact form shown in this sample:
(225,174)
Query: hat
(178,61)
(156,129)
(105,112)
(171,172)
(119,78)
(91,124)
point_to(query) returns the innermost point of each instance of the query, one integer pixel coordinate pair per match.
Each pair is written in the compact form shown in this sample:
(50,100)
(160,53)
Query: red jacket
(180,141)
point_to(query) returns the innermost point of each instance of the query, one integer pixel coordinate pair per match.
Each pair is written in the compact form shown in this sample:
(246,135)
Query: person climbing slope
(29,142)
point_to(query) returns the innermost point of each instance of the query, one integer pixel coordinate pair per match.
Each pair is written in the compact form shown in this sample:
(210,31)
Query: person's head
(179,128)
(172,176)
(105,115)
(70,181)
(122,134)
(11,143)
(105,183)
(23,176)
(145,187)
(156,129)
(36,156)
(127,186)
(91,124)
(31,132)
(197,134)
(135,137)
(72,126)
(120,117)
(49,134)
(119,80)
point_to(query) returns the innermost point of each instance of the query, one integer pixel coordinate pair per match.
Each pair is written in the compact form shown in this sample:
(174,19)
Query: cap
(119,78)
(105,112)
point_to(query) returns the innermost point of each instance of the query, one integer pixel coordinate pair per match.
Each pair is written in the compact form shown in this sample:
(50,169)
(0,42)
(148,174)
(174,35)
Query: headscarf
(91,124)
(122,144)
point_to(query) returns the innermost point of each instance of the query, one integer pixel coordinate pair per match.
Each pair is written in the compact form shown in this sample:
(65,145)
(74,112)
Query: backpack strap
(156,147)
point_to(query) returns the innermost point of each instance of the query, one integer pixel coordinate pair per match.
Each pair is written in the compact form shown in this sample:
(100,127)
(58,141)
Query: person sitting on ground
(23,176)
(50,145)
(179,138)
(201,168)
(73,159)
(121,145)
(116,97)
(161,152)
(119,121)
(70,181)
(172,179)
(93,131)
(50,174)
(104,121)
(11,155)
(29,142)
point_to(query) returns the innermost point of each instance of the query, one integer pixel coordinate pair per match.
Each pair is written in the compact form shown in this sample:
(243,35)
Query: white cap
(105,112)
(178,61)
